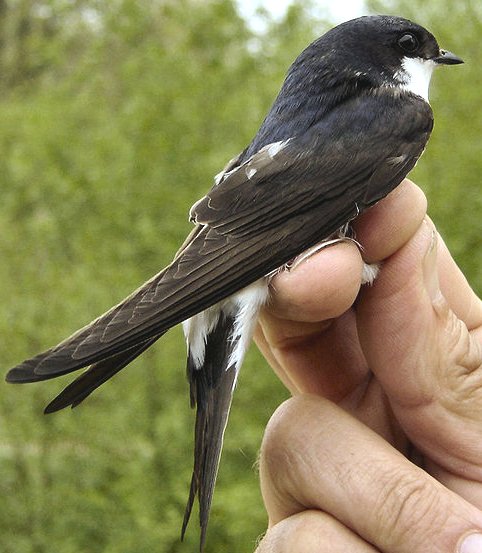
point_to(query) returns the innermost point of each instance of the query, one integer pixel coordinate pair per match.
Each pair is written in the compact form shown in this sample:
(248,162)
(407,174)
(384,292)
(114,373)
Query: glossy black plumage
(345,129)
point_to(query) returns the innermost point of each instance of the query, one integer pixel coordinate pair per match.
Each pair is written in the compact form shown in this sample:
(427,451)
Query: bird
(350,121)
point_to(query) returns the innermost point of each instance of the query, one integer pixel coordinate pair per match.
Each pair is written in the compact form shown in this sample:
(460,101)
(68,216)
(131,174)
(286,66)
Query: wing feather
(294,196)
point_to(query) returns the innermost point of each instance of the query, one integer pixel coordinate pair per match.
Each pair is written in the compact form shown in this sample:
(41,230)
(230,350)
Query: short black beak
(447,58)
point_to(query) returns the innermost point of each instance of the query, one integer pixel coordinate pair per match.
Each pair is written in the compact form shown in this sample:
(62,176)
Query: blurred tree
(35,36)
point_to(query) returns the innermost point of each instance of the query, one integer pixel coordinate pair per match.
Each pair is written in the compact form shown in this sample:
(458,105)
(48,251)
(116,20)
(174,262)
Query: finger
(295,329)
(332,276)
(425,357)
(325,284)
(321,287)
(297,333)
(387,226)
(324,358)
(456,290)
(315,455)
(312,531)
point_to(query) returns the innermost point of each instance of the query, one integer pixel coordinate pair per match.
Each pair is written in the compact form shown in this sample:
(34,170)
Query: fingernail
(471,544)
(430,270)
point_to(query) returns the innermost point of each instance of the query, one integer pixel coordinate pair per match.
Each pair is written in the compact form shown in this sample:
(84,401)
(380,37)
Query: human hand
(393,462)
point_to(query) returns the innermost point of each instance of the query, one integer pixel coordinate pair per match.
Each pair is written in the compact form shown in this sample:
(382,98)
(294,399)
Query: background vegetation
(114,117)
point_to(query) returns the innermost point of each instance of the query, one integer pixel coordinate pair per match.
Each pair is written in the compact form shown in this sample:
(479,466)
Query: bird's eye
(408,43)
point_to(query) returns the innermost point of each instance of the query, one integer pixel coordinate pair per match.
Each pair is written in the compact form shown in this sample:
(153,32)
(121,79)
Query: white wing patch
(251,166)
(275,148)
(250,171)
(397,160)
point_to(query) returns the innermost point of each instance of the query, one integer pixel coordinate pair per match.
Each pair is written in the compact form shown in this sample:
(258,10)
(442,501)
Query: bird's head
(379,51)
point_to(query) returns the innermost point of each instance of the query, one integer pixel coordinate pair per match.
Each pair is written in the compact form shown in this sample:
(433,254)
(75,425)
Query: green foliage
(115,115)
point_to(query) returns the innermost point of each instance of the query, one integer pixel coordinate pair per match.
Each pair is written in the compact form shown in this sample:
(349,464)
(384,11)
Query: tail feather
(212,388)
(218,339)
(95,376)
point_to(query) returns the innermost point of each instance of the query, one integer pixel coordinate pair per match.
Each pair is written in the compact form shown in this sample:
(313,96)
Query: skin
(380,447)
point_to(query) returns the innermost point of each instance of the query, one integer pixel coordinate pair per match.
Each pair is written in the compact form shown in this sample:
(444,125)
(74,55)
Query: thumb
(427,360)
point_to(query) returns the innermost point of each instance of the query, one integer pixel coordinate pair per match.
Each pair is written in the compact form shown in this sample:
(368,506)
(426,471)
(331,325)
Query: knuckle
(304,532)
(309,531)
(462,367)
(467,351)
(408,510)
(283,537)
(284,447)
(277,444)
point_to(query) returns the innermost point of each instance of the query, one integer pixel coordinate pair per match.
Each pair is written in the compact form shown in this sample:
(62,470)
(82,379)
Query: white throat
(415,76)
